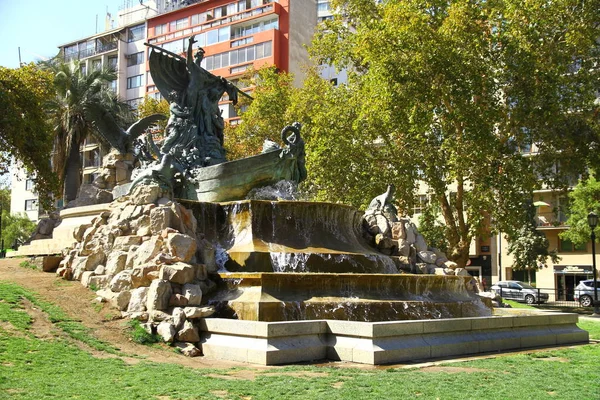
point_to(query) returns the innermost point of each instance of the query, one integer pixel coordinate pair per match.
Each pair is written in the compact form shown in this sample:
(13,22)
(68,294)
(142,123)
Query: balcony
(85,53)
(550,220)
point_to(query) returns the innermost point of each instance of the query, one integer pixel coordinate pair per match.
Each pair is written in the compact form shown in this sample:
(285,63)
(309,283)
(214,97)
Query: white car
(519,291)
(584,292)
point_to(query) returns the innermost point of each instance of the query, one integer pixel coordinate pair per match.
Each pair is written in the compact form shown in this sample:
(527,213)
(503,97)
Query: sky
(38,27)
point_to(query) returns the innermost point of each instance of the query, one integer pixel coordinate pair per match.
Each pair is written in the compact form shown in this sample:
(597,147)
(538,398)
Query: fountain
(297,281)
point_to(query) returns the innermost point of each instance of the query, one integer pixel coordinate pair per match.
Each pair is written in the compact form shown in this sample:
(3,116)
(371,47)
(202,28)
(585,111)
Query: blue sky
(40,26)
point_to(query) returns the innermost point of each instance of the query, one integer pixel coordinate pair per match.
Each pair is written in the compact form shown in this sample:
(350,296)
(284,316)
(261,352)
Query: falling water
(282,190)
(221,257)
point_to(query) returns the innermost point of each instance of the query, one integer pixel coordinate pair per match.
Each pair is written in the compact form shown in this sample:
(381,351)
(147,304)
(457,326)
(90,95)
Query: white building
(121,48)
(24,198)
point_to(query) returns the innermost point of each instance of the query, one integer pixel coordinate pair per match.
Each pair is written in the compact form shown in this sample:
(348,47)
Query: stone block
(166,331)
(188,349)
(180,273)
(193,294)
(160,218)
(159,294)
(116,262)
(142,275)
(50,263)
(85,278)
(188,333)
(144,194)
(121,281)
(181,246)
(198,312)
(147,251)
(137,302)
(178,300)
(99,281)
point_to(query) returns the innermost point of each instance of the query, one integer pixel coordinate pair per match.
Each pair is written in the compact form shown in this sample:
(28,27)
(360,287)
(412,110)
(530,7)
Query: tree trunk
(72,176)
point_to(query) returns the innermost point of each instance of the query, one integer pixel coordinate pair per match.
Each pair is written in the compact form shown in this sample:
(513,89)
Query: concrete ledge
(270,343)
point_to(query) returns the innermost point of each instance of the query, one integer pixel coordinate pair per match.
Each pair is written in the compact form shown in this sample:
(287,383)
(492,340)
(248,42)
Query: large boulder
(181,246)
(137,303)
(116,262)
(159,294)
(147,251)
(193,294)
(166,331)
(144,194)
(178,273)
(188,333)
(121,281)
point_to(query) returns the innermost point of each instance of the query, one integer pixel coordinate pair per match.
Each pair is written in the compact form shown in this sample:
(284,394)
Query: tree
(151,106)
(14,226)
(529,246)
(78,95)
(24,131)
(446,93)
(432,229)
(584,198)
(265,116)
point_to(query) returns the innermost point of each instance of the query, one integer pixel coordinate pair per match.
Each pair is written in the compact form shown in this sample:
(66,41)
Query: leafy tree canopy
(584,198)
(263,117)
(529,246)
(79,98)
(25,133)
(447,93)
(152,106)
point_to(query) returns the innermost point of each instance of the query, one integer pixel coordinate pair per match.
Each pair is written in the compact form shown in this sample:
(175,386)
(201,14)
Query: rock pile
(145,258)
(399,237)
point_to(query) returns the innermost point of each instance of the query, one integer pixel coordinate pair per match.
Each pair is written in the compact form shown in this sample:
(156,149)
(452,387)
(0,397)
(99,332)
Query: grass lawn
(34,368)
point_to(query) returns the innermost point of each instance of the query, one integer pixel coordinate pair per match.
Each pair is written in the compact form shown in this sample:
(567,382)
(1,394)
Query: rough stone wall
(145,258)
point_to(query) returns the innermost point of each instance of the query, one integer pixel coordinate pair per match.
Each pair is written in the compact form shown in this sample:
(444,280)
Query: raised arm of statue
(189,56)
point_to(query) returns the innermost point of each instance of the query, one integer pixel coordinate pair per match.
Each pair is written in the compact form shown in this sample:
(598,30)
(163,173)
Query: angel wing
(168,70)
(141,125)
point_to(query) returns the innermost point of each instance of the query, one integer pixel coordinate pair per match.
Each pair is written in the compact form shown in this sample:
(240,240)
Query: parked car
(584,292)
(519,291)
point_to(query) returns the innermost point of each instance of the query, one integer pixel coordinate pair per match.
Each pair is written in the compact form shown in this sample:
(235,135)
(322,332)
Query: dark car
(584,292)
(519,291)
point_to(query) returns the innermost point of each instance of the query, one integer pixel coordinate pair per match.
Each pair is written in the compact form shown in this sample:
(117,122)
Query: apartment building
(24,198)
(236,35)
(123,49)
(575,261)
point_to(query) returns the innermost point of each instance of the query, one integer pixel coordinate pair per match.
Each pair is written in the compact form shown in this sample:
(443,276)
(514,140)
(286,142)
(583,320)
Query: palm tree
(79,96)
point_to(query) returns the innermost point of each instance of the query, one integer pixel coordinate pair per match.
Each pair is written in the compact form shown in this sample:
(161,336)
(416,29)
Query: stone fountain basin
(270,343)
(353,297)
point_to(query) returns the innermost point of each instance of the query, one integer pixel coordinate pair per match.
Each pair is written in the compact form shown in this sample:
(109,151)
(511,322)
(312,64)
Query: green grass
(27,264)
(139,335)
(10,298)
(31,368)
(516,304)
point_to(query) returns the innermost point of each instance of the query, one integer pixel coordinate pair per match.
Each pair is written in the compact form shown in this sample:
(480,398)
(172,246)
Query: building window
(113,86)
(160,29)
(97,65)
(135,59)
(31,205)
(420,204)
(134,103)
(91,158)
(30,184)
(136,33)
(83,69)
(112,62)
(239,56)
(566,246)
(179,24)
(134,81)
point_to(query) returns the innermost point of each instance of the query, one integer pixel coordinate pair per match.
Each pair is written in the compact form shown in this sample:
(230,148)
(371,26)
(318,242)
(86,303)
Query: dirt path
(76,301)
